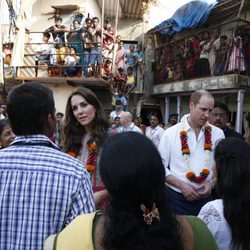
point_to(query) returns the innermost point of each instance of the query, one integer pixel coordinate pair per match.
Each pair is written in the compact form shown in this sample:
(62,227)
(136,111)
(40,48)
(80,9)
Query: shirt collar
(186,125)
(34,139)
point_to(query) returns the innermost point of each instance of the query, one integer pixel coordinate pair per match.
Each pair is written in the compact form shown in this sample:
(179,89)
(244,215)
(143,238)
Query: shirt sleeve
(82,200)
(164,149)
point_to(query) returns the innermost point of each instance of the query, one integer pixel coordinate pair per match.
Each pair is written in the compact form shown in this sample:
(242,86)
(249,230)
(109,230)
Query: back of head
(232,157)
(133,173)
(126,177)
(28,107)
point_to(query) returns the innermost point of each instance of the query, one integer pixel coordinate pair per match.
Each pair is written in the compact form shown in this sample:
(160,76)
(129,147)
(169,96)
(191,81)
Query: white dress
(213,216)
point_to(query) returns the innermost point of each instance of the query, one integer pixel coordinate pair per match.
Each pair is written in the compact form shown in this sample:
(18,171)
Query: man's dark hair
(60,114)
(58,18)
(28,107)
(46,34)
(95,18)
(222,106)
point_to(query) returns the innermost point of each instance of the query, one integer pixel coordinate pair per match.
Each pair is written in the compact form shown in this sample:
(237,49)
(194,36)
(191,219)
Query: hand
(189,192)
(205,189)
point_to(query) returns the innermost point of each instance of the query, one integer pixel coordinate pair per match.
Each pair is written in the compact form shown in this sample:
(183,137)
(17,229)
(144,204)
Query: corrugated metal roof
(227,9)
(130,9)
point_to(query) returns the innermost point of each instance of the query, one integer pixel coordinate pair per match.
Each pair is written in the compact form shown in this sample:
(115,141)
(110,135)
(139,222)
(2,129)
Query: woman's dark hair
(133,173)
(3,124)
(28,107)
(73,132)
(232,157)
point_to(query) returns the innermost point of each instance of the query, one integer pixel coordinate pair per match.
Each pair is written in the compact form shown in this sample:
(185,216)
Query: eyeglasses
(221,115)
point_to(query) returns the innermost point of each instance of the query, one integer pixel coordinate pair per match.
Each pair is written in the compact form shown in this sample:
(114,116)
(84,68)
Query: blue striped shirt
(41,191)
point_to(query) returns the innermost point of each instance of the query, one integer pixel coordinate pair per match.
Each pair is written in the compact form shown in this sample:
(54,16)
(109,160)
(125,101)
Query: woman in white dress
(228,218)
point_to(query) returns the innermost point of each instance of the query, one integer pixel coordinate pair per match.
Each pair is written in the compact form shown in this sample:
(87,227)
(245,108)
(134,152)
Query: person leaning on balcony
(187,153)
(58,33)
(139,216)
(42,189)
(74,37)
(46,52)
(95,56)
(86,37)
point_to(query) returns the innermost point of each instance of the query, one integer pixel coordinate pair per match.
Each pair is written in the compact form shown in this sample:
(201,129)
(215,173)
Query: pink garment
(120,58)
(236,61)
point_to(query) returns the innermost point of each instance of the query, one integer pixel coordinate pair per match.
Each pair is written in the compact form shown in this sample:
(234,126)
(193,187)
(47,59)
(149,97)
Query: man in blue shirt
(41,188)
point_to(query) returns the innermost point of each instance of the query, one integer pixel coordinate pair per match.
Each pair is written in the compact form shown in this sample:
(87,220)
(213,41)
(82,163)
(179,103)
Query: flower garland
(190,175)
(92,157)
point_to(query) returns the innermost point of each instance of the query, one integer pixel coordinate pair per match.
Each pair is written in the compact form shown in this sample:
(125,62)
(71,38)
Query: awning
(187,16)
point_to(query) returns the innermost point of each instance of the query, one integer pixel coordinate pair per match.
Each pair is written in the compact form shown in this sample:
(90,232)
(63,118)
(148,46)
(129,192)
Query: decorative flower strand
(92,157)
(150,215)
(186,152)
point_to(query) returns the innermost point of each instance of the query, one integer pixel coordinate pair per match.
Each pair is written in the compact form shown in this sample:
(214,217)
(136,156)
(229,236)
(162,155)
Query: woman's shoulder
(195,234)
(212,212)
(79,234)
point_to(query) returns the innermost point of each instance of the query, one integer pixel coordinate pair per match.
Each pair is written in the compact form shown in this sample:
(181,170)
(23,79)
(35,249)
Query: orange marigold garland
(190,175)
(71,153)
(92,158)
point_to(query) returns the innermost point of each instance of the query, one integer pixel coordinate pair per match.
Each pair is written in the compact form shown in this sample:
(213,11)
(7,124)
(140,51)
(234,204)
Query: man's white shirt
(154,134)
(113,115)
(173,160)
(132,127)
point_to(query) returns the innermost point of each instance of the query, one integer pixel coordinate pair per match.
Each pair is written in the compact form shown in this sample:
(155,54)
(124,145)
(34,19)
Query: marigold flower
(190,175)
(92,147)
(205,172)
(185,151)
(91,168)
(183,133)
(71,153)
(207,146)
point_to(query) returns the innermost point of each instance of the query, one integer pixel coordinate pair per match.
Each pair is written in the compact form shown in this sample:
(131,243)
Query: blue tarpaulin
(188,16)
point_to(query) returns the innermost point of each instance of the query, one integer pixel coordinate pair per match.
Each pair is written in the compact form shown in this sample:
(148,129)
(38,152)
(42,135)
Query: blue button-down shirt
(41,190)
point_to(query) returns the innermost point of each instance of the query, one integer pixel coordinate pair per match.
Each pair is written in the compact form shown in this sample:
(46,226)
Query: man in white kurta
(188,197)
(154,131)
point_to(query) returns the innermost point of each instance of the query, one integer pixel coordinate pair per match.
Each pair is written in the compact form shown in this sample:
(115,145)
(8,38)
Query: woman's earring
(77,124)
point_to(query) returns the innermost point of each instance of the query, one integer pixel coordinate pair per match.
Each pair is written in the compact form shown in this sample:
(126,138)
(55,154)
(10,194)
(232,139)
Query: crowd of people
(118,184)
(79,52)
(204,54)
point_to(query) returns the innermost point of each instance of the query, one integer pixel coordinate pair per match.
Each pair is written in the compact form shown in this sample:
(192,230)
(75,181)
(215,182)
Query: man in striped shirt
(41,188)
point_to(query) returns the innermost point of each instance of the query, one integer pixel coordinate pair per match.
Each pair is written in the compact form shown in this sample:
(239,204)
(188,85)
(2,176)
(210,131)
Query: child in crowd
(120,79)
(106,70)
(72,61)
(131,83)
(178,68)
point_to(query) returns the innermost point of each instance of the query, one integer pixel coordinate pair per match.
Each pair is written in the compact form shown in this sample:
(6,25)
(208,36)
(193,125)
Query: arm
(82,201)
